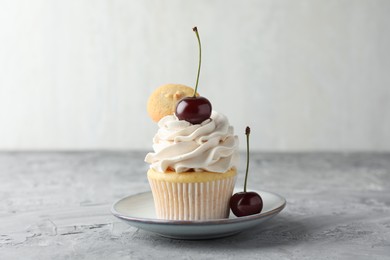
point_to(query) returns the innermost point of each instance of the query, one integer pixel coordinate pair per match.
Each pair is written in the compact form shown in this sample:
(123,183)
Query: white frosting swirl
(182,146)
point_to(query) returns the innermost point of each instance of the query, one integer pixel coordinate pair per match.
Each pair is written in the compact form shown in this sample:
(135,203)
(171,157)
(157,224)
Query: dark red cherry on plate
(193,109)
(246,203)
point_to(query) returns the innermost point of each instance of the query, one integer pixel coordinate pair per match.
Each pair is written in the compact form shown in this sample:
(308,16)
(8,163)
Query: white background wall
(304,74)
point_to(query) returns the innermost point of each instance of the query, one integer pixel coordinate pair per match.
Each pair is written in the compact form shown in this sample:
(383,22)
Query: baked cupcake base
(192,195)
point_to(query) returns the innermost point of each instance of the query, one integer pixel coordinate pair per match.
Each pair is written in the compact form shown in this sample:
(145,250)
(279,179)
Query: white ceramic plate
(138,211)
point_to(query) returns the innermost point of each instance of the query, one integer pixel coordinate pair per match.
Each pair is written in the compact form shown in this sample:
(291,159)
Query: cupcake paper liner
(192,201)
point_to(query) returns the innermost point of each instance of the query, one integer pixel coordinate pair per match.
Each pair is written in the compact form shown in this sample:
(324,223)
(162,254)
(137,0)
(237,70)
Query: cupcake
(193,167)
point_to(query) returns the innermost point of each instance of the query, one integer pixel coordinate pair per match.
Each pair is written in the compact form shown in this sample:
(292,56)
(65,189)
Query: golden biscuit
(163,100)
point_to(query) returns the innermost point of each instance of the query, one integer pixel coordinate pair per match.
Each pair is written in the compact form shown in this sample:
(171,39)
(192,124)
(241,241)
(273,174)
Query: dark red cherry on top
(193,109)
(246,203)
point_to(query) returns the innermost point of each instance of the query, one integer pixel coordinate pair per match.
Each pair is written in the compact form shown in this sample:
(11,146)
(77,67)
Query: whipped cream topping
(182,146)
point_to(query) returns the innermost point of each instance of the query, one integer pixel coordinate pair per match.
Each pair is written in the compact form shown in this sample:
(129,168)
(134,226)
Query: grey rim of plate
(197,222)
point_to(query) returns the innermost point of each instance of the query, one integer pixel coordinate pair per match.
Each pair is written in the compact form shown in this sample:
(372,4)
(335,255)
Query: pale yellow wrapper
(192,195)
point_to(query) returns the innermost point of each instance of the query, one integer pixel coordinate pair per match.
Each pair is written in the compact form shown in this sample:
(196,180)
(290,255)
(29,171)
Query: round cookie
(163,100)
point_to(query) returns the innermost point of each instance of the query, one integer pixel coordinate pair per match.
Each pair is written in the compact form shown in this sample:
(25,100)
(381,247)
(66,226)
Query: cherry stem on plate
(200,59)
(247,132)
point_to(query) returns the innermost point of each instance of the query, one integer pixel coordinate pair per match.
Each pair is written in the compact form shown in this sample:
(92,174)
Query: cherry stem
(200,59)
(247,132)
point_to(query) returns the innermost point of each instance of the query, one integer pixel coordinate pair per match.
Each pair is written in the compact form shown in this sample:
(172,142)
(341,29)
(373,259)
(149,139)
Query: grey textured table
(57,206)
